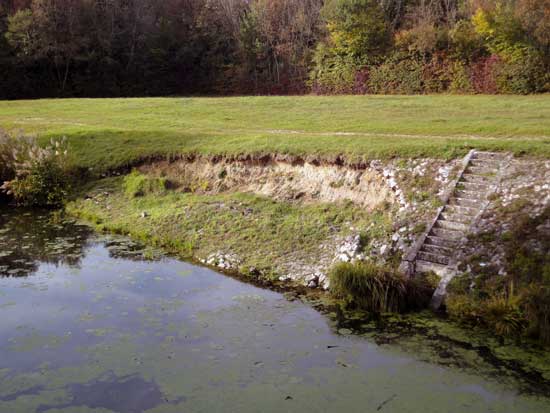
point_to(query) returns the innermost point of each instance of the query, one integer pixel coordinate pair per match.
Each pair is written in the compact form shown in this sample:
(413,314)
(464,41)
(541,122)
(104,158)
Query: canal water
(93,323)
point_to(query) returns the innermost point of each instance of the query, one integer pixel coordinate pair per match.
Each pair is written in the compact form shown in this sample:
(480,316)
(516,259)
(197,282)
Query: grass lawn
(106,133)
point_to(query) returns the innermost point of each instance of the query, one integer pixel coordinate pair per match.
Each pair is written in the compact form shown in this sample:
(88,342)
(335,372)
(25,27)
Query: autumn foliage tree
(176,47)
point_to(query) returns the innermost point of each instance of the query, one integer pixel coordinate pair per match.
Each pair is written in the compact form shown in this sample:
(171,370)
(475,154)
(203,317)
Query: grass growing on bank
(266,235)
(370,287)
(108,133)
(378,289)
(136,184)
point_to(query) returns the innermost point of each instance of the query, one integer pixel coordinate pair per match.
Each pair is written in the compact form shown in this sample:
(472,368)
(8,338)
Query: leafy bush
(32,175)
(460,78)
(332,74)
(357,28)
(467,44)
(522,73)
(137,184)
(397,76)
(484,74)
(367,286)
(437,74)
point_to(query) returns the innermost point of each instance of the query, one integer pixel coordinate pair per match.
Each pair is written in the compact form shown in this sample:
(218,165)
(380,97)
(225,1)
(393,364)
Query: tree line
(59,48)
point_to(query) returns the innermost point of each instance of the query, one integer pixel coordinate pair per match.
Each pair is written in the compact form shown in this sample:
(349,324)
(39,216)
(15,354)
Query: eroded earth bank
(290,219)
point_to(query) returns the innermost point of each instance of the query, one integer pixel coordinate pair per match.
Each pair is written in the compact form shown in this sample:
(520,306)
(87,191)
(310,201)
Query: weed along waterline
(275,254)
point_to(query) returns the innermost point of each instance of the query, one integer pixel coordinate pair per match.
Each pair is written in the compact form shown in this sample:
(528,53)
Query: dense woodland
(59,48)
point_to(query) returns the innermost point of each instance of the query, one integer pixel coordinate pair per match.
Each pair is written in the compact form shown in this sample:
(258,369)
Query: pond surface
(88,325)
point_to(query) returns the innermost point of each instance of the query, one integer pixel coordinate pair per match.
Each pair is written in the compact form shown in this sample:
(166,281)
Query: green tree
(357,28)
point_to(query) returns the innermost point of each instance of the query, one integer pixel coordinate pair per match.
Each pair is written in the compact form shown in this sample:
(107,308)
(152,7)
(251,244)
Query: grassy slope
(112,132)
(264,233)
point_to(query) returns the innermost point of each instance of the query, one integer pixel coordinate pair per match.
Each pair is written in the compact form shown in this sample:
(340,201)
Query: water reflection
(30,238)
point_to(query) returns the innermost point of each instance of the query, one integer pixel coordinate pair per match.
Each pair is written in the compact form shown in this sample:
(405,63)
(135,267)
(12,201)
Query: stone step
(464,202)
(452,225)
(439,241)
(463,193)
(449,216)
(482,170)
(489,155)
(428,256)
(426,266)
(488,163)
(437,249)
(481,179)
(473,186)
(449,234)
(460,210)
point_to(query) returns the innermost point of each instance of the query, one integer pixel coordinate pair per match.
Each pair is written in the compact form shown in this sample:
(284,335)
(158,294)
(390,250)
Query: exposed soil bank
(292,218)
(285,218)
(280,180)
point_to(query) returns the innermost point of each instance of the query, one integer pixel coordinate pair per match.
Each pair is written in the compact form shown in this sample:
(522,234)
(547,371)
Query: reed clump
(31,174)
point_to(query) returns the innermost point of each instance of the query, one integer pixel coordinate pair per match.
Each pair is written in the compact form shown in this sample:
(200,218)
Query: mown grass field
(106,133)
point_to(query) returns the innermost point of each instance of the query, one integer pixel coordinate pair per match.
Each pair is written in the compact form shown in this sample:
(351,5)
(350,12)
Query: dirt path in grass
(398,135)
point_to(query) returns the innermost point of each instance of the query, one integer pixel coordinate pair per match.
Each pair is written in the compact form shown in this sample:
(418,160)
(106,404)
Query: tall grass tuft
(14,149)
(368,286)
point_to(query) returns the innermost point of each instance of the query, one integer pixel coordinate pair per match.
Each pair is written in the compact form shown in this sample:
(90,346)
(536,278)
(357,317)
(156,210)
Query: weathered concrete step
(450,216)
(452,225)
(446,233)
(482,170)
(473,186)
(439,241)
(481,179)
(464,202)
(463,193)
(460,210)
(489,155)
(426,266)
(437,249)
(428,256)
(487,163)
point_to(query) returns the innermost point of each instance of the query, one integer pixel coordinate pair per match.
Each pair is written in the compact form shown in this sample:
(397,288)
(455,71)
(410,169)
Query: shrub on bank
(524,314)
(397,76)
(516,304)
(33,175)
(333,74)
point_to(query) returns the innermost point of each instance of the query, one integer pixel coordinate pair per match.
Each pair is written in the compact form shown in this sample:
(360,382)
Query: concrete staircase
(435,250)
